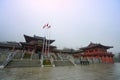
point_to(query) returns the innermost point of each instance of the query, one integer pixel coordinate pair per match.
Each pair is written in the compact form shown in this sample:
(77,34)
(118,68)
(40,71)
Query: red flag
(49,26)
(46,25)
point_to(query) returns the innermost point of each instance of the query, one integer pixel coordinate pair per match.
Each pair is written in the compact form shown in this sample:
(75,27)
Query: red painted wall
(96,50)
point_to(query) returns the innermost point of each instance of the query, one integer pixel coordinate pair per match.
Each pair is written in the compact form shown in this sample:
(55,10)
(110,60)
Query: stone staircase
(3,55)
(18,55)
(1,62)
(23,63)
(35,56)
(63,63)
(25,60)
(19,60)
(27,56)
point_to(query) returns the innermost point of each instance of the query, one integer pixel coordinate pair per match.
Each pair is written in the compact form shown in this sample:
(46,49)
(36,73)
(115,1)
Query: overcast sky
(74,23)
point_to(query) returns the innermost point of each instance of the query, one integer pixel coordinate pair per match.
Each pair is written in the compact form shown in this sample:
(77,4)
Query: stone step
(1,62)
(47,65)
(63,63)
(27,56)
(18,55)
(35,56)
(23,63)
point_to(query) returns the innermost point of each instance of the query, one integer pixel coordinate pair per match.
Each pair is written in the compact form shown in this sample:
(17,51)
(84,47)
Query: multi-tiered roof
(36,42)
(94,45)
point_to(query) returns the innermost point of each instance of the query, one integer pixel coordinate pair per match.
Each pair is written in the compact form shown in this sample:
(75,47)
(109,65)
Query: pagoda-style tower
(97,53)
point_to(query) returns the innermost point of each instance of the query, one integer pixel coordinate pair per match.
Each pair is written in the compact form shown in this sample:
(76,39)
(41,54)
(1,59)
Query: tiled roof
(93,45)
(35,38)
(9,44)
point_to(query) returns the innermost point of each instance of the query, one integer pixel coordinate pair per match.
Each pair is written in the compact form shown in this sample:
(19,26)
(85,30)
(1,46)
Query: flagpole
(49,42)
(43,46)
(46,41)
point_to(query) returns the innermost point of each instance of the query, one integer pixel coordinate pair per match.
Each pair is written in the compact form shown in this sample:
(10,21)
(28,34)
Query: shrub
(46,62)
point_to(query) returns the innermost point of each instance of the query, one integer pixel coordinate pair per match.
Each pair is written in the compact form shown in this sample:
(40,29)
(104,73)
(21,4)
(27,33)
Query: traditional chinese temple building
(10,45)
(96,53)
(31,45)
(36,44)
(35,51)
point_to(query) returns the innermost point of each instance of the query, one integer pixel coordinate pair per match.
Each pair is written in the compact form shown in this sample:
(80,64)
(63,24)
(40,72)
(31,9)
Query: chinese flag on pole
(46,26)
